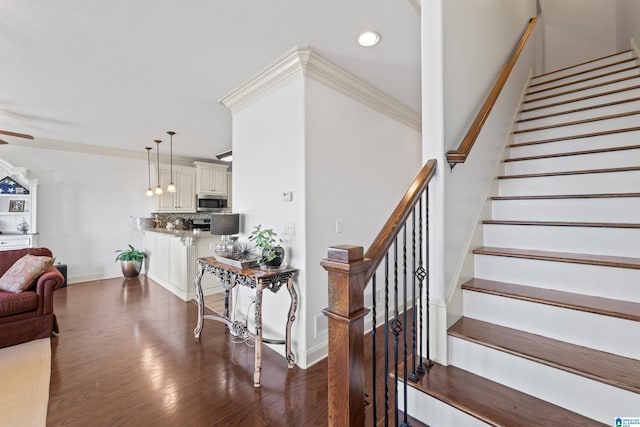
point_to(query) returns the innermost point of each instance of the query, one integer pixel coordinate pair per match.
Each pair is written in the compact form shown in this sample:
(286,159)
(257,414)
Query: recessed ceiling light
(368,39)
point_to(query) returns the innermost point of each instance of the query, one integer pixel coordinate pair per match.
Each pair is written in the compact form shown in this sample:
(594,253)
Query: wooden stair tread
(593,86)
(567,196)
(573,172)
(564,223)
(569,257)
(560,85)
(468,392)
(622,52)
(577,136)
(588,303)
(579,110)
(582,98)
(568,76)
(573,153)
(618,371)
(578,122)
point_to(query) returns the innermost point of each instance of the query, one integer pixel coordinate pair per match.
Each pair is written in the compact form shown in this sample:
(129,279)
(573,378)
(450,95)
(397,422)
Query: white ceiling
(120,73)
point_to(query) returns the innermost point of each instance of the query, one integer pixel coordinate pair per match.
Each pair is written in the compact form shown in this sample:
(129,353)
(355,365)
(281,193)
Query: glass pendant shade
(149,191)
(171,188)
(158,188)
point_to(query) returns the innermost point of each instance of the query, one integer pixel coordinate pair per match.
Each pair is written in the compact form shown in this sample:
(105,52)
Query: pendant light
(158,188)
(149,190)
(171,188)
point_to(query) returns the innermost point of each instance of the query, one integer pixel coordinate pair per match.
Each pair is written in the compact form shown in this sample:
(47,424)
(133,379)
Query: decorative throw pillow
(24,272)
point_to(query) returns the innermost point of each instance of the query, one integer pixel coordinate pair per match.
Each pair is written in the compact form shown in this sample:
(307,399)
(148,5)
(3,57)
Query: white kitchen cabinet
(184,199)
(211,178)
(172,258)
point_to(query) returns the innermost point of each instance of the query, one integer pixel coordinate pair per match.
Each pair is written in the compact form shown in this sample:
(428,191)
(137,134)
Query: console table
(254,278)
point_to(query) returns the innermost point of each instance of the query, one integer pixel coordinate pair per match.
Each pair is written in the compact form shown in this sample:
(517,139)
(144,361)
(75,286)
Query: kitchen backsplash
(185,218)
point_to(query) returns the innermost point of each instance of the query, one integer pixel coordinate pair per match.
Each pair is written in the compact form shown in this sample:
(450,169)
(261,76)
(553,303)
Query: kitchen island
(172,260)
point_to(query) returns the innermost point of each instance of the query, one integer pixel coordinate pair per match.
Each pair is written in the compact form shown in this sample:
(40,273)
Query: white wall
(268,158)
(628,23)
(343,161)
(359,163)
(465,44)
(84,206)
(576,31)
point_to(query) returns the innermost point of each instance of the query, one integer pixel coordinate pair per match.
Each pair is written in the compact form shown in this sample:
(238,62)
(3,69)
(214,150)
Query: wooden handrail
(394,224)
(460,154)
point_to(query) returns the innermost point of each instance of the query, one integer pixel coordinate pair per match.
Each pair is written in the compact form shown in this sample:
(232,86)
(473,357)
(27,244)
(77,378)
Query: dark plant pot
(130,268)
(275,262)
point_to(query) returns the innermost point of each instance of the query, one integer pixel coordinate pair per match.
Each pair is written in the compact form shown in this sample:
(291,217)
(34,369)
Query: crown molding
(99,150)
(303,60)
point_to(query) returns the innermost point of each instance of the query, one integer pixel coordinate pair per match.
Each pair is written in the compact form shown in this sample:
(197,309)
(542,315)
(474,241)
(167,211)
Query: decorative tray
(238,262)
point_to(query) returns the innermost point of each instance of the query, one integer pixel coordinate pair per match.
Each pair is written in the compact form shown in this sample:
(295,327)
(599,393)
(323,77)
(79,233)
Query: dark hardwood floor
(126,356)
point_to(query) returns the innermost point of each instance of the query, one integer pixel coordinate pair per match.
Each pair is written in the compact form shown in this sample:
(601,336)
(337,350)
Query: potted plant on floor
(267,241)
(130,261)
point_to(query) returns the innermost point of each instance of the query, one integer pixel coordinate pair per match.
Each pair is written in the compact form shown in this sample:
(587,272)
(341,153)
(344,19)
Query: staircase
(551,329)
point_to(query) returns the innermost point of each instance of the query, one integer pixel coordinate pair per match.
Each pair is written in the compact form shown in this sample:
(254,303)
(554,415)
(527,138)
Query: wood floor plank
(573,153)
(602,260)
(494,403)
(597,365)
(563,223)
(567,196)
(125,355)
(591,304)
(576,136)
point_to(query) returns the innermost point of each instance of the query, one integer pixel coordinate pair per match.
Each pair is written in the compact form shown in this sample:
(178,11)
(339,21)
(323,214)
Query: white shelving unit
(18,202)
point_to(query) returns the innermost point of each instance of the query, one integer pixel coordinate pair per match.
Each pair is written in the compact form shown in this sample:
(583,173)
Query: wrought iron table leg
(200,298)
(258,350)
(290,318)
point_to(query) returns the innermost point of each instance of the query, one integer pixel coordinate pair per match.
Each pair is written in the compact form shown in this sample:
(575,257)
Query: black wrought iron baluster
(405,420)
(386,339)
(420,274)
(374,353)
(427,362)
(413,376)
(396,328)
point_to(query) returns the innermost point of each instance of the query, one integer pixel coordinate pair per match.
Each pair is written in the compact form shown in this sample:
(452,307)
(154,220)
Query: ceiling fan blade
(19,135)
(3,142)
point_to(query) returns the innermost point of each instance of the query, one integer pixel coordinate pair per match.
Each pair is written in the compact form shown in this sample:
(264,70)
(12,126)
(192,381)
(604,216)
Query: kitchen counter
(181,233)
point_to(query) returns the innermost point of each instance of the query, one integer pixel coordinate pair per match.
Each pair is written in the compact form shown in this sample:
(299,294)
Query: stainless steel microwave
(211,203)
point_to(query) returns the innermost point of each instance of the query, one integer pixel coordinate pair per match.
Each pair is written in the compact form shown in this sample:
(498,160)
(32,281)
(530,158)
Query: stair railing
(460,154)
(406,309)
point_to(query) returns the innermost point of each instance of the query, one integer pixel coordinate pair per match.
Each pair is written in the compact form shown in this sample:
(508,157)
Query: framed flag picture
(16,205)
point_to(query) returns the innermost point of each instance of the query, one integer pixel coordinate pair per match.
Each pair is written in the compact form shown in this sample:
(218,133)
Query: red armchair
(28,315)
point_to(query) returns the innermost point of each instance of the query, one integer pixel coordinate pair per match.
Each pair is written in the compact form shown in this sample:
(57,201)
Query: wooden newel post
(347,270)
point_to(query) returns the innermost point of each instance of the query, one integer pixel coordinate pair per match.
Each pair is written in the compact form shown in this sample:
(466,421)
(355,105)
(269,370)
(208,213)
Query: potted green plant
(130,261)
(267,240)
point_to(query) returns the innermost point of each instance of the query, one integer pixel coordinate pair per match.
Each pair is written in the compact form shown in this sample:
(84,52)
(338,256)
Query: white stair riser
(581,115)
(586,240)
(536,92)
(539,101)
(607,282)
(583,67)
(611,159)
(578,129)
(604,333)
(578,144)
(615,209)
(590,183)
(590,398)
(434,412)
(549,108)
(585,75)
